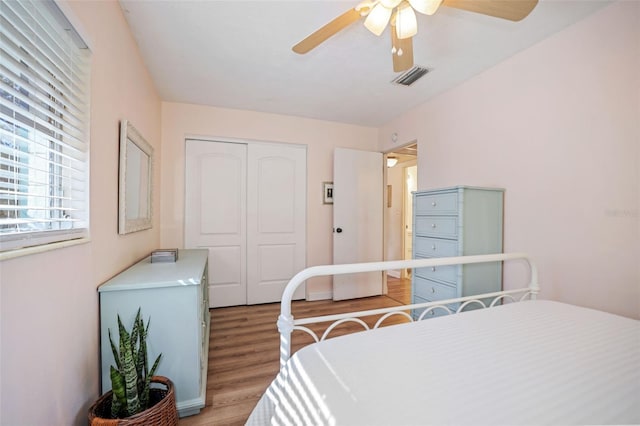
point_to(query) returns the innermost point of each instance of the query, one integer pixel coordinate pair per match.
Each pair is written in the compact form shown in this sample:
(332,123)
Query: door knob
(339,230)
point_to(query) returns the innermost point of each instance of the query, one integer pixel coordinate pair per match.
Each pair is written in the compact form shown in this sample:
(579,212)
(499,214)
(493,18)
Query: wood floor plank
(244,350)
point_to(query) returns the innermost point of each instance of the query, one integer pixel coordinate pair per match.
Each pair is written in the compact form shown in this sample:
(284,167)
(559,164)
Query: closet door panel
(215,209)
(275,206)
(276,235)
(213,219)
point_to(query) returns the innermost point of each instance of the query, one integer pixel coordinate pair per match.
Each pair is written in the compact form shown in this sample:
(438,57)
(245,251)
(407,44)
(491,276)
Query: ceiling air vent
(409,77)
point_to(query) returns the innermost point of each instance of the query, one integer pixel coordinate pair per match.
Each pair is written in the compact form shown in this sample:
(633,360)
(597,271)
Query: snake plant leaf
(125,340)
(147,381)
(135,336)
(155,366)
(135,329)
(118,399)
(141,356)
(114,350)
(130,375)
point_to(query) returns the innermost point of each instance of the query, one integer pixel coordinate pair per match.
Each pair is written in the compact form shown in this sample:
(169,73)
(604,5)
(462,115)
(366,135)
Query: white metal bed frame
(287,324)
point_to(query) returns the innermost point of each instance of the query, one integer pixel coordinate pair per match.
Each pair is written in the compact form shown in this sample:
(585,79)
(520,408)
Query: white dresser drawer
(437,226)
(435,247)
(437,204)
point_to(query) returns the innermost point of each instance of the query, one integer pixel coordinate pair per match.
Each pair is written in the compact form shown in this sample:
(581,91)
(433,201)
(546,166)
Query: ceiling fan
(400,14)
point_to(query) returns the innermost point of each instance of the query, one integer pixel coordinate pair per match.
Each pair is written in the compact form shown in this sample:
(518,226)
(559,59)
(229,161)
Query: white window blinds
(44,126)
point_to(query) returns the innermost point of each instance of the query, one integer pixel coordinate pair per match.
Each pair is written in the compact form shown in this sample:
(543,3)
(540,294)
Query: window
(44,126)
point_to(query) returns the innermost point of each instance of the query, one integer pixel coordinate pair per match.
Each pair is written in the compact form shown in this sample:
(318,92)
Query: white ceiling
(237,54)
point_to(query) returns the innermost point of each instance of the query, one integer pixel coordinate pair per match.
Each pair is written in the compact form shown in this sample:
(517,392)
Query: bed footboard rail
(287,324)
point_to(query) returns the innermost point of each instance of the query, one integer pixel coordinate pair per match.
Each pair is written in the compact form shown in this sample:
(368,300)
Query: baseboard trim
(319,295)
(190,407)
(395,273)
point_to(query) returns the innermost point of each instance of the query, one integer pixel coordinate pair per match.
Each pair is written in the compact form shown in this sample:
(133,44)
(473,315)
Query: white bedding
(534,362)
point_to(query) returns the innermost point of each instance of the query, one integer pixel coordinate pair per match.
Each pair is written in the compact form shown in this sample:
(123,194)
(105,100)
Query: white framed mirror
(135,187)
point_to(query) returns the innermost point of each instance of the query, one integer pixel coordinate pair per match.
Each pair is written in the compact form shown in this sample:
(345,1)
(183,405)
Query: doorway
(401,180)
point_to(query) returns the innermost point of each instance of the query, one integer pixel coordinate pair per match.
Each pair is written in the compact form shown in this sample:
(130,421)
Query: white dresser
(457,221)
(175,297)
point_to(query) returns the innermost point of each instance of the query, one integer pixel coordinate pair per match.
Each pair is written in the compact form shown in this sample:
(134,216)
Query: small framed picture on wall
(327,192)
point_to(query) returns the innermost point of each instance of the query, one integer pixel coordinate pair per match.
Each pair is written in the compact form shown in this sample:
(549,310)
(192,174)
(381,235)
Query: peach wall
(558,126)
(182,120)
(49,303)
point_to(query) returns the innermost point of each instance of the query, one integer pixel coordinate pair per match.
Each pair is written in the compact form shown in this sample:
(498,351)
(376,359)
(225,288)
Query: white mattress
(536,362)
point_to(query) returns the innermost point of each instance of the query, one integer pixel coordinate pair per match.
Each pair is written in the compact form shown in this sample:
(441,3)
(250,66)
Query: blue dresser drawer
(432,290)
(447,274)
(434,247)
(436,312)
(437,226)
(437,204)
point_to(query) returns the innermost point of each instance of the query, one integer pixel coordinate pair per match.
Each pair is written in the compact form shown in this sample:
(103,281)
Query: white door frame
(386,224)
(407,201)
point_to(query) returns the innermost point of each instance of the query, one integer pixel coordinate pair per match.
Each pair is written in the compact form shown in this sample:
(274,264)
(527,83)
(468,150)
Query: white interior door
(357,220)
(215,215)
(276,225)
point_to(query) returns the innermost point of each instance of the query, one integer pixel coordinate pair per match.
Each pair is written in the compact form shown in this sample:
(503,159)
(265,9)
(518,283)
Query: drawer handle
(433,203)
(433,290)
(433,269)
(433,247)
(433,225)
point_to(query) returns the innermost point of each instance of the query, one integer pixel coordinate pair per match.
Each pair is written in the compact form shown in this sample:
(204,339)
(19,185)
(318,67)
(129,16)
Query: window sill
(42,248)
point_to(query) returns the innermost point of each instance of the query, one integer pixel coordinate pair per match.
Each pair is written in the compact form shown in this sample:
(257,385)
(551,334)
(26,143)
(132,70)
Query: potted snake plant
(132,400)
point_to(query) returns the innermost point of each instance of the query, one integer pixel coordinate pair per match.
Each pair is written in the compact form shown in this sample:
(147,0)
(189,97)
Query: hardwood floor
(399,289)
(244,351)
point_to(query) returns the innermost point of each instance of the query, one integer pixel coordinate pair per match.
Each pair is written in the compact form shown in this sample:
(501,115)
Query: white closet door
(215,215)
(276,222)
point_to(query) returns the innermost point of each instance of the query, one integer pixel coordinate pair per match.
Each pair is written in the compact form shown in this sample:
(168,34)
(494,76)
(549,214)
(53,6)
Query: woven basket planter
(163,412)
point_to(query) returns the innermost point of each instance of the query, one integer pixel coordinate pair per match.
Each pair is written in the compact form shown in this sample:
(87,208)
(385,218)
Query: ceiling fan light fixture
(377,19)
(406,23)
(427,7)
(390,4)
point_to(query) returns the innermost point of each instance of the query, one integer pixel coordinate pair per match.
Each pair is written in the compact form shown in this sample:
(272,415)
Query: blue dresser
(457,221)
